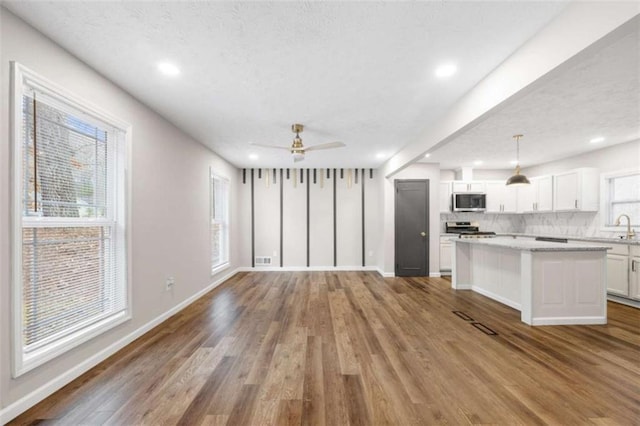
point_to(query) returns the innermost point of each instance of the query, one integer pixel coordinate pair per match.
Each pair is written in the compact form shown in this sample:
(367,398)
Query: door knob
(424,234)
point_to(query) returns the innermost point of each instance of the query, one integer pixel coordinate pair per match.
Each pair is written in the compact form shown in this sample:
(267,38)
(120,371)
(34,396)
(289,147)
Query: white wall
(478,174)
(608,159)
(348,224)
(169,223)
(415,171)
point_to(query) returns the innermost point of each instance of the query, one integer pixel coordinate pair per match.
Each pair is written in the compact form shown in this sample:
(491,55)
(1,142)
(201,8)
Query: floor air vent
(263,260)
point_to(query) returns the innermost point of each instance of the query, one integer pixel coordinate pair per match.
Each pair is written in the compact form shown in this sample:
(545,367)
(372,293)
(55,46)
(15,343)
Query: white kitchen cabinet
(623,270)
(445,197)
(500,197)
(617,274)
(634,272)
(468,186)
(537,197)
(445,255)
(576,190)
(544,186)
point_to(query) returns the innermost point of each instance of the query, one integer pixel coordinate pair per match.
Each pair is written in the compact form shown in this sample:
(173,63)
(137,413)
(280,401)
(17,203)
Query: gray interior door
(412,228)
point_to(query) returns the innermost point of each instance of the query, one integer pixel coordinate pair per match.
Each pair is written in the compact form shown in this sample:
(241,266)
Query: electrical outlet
(169,283)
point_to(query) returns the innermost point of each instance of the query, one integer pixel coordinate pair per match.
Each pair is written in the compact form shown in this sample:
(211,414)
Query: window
(69,248)
(219,222)
(621,195)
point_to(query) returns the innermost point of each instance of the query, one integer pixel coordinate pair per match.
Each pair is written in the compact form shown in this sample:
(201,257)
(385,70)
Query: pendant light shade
(517,178)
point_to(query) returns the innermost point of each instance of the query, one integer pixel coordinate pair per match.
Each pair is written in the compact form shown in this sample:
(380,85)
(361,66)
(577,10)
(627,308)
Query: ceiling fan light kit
(517,179)
(297,148)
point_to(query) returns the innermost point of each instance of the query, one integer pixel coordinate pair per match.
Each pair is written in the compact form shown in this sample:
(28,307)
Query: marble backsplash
(576,224)
(498,223)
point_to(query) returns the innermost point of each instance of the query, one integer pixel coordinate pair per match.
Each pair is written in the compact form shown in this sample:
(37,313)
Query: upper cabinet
(468,186)
(577,190)
(445,197)
(537,197)
(500,197)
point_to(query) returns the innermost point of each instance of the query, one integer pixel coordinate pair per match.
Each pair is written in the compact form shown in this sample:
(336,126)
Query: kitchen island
(550,283)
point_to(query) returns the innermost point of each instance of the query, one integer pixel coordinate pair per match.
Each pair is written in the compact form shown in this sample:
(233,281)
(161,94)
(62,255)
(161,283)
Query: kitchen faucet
(630,232)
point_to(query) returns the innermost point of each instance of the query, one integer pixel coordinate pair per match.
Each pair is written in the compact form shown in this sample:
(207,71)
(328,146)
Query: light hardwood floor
(353,348)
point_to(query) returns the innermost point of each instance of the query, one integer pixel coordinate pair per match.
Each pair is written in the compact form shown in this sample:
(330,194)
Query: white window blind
(71,252)
(219,221)
(623,198)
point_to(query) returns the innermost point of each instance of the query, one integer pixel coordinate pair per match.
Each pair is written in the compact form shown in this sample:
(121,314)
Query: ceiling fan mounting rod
(297,128)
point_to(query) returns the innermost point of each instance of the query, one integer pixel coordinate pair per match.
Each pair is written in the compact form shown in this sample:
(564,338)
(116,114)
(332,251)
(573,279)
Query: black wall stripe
(244,176)
(335,251)
(259,173)
(314,176)
(287,174)
(328,173)
(362,188)
(302,175)
(253,226)
(370,173)
(274,176)
(356,173)
(341,173)
(281,218)
(308,214)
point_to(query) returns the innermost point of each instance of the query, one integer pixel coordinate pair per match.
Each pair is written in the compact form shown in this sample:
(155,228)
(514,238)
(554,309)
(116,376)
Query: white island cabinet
(549,283)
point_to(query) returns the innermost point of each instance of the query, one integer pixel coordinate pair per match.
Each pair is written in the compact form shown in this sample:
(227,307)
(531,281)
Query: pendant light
(517,178)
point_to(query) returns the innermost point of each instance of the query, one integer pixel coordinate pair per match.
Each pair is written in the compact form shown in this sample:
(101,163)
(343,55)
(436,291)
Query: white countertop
(633,242)
(529,245)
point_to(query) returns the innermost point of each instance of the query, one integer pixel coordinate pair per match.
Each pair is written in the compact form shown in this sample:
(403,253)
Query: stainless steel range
(467,230)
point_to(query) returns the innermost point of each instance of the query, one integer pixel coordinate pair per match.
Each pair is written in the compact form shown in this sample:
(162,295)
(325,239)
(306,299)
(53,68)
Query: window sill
(27,362)
(220,268)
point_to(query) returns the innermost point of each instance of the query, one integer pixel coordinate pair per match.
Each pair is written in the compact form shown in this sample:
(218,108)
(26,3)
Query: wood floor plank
(347,348)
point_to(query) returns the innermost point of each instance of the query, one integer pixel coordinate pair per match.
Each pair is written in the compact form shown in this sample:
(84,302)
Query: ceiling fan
(297,149)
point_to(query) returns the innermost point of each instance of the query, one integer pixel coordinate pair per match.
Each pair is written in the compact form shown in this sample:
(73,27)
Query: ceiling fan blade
(329,145)
(288,148)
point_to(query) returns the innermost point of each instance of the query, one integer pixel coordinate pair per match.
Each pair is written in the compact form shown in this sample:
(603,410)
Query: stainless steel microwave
(469,201)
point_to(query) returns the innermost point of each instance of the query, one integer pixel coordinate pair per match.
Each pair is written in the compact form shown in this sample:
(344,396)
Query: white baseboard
(386,274)
(463,287)
(435,274)
(623,301)
(306,268)
(315,268)
(491,295)
(15,409)
(569,321)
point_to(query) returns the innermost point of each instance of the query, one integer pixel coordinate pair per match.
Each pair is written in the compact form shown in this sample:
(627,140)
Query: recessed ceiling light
(168,68)
(597,139)
(513,162)
(380,155)
(477,162)
(427,155)
(446,70)
(253,156)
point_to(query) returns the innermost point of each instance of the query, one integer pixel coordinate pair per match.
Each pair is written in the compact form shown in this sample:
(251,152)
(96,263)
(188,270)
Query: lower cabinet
(634,277)
(623,271)
(445,256)
(617,274)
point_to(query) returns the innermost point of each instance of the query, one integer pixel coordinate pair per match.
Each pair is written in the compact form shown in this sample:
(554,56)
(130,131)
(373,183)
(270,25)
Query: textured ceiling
(597,97)
(357,72)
